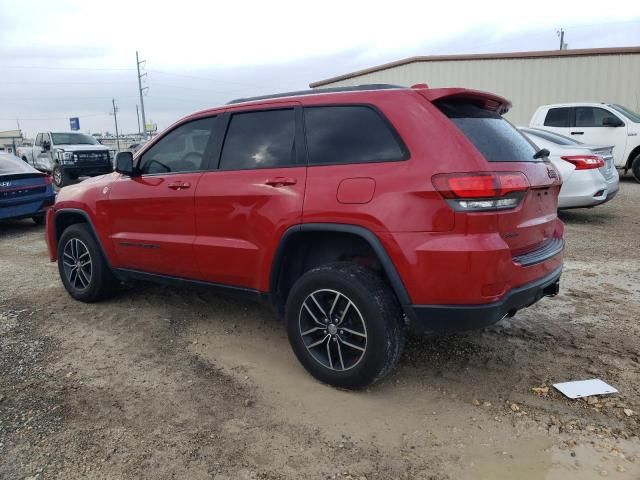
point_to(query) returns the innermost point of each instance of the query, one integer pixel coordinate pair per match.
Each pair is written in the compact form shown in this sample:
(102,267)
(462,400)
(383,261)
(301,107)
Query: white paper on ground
(584,388)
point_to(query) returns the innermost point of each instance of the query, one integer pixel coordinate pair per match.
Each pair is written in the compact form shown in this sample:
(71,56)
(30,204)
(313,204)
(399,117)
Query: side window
(39,140)
(349,134)
(558,117)
(591,116)
(264,139)
(181,150)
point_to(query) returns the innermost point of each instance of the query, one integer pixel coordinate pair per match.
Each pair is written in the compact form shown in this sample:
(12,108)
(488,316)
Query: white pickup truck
(596,124)
(67,156)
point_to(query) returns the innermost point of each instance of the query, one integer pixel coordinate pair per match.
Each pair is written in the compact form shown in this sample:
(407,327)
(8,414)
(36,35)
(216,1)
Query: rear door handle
(577,133)
(281,181)
(179,185)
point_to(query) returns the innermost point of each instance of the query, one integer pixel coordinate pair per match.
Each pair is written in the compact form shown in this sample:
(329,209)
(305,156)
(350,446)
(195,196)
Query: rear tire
(38,219)
(635,168)
(345,325)
(83,270)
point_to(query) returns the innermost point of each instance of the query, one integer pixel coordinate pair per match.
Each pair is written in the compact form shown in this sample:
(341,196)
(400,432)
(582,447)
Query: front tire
(345,325)
(59,176)
(635,168)
(82,267)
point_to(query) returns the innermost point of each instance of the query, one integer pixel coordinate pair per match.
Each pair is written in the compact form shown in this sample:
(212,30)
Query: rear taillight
(47,180)
(585,162)
(473,192)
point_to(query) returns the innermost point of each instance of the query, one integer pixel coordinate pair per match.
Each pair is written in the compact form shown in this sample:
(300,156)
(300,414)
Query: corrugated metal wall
(527,82)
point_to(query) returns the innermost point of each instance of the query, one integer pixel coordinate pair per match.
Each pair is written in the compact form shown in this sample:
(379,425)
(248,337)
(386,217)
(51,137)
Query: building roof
(481,56)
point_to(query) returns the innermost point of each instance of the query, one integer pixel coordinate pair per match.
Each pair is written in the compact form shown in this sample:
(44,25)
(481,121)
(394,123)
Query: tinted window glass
(558,117)
(591,116)
(39,140)
(495,138)
(349,134)
(550,136)
(260,140)
(181,150)
(73,139)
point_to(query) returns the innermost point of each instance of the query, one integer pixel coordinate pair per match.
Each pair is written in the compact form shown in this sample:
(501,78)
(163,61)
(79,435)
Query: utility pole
(563,46)
(140,89)
(115,119)
(138,115)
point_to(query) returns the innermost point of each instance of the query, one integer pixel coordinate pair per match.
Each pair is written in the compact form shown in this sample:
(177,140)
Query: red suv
(355,212)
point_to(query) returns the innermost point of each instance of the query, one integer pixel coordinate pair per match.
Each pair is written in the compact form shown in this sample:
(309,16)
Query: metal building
(528,79)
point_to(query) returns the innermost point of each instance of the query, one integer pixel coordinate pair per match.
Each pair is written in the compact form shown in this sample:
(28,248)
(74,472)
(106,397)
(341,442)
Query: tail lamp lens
(47,180)
(585,162)
(474,192)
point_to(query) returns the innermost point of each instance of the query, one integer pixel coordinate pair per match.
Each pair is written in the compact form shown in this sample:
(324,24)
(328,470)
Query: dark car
(354,212)
(24,191)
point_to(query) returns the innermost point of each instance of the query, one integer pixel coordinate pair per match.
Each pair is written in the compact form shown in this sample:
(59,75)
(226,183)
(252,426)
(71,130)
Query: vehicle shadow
(586,216)
(18,227)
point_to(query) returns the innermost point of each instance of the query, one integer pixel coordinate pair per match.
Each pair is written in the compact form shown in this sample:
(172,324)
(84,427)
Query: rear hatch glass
(530,225)
(494,137)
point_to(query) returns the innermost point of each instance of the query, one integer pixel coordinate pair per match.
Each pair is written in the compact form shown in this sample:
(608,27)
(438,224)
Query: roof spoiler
(485,100)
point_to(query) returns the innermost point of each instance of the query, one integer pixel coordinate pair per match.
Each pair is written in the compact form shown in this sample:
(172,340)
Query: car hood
(78,190)
(81,148)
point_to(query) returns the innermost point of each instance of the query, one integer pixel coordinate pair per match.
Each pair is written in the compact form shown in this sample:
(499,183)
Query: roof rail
(356,88)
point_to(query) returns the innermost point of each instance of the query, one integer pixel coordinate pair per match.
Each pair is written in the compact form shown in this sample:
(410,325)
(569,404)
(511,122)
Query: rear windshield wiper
(543,152)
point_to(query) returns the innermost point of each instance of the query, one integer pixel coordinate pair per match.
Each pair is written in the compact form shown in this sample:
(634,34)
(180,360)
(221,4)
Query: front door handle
(281,181)
(179,185)
(577,133)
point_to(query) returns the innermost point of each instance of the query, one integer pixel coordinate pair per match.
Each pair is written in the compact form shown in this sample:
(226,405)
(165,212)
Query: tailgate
(532,223)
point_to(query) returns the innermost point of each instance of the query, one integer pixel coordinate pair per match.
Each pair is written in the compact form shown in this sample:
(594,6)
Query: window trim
(300,160)
(209,149)
(406,153)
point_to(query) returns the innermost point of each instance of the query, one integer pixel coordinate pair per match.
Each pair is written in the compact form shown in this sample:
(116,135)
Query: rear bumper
(452,318)
(26,207)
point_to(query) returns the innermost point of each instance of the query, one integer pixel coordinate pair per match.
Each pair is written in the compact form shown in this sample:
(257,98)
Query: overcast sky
(69,58)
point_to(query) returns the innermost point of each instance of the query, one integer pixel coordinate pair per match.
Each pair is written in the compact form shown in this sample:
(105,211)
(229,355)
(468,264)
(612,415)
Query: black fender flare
(385,260)
(88,221)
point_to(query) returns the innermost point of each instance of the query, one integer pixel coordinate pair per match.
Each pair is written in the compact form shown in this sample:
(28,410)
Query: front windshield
(73,139)
(633,116)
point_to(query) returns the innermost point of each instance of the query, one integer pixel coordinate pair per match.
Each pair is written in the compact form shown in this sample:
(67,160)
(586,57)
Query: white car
(588,174)
(596,124)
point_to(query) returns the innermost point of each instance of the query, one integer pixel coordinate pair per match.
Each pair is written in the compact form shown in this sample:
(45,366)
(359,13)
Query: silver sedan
(588,174)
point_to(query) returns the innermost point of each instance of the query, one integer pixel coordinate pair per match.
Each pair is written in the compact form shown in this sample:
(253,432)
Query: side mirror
(46,145)
(124,163)
(612,122)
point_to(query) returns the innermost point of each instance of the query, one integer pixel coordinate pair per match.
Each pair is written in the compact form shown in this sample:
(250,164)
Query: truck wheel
(83,270)
(345,325)
(635,168)
(59,176)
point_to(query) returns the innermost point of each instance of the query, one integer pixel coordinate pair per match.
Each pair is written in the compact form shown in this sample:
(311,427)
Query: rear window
(495,138)
(558,117)
(11,165)
(350,134)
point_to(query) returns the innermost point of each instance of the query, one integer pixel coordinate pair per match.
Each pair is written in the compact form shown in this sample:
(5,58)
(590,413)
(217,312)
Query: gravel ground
(163,383)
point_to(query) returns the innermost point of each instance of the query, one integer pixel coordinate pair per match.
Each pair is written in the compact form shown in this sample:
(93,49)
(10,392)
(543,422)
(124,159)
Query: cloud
(202,54)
